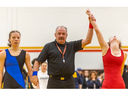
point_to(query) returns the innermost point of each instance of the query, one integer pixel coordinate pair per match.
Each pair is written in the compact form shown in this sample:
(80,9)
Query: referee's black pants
(54,83)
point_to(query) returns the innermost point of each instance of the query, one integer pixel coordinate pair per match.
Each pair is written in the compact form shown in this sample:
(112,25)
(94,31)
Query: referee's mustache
(61,38)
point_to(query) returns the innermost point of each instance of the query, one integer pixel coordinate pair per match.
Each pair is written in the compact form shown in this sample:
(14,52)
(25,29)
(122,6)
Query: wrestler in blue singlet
(13,77)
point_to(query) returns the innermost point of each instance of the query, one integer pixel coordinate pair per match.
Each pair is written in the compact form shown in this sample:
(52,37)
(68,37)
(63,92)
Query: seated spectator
(93,83)
(85,79)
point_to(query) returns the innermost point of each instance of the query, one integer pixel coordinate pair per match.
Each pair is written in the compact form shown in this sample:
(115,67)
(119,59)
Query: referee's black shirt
(55,60)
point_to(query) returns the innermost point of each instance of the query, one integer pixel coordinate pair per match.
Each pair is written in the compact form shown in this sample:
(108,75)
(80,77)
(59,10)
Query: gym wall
(37,26)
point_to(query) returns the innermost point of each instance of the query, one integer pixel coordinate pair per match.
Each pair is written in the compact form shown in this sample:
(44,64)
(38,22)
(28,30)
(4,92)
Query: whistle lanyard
(61,52)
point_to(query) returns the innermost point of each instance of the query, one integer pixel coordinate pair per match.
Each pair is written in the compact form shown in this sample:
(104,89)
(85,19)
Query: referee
(60,56)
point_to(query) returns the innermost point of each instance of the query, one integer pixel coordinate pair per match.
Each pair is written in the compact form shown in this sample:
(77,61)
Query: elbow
(88,42)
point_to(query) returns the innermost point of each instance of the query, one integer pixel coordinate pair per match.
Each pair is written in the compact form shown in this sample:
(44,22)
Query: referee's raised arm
(88,38)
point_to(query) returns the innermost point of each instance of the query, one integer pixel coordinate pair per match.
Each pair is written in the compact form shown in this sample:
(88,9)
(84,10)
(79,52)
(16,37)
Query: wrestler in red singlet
(112,68)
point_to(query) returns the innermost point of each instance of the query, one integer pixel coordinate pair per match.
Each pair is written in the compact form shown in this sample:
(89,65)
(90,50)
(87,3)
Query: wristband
(34,73)
(90,26)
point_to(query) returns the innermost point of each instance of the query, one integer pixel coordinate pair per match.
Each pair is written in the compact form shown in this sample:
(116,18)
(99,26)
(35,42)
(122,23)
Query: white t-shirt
(43,79)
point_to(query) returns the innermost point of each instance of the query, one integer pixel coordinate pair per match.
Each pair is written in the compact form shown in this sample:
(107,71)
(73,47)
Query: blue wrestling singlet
(13,77)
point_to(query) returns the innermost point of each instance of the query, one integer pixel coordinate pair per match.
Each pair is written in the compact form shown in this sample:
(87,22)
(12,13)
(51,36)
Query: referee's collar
(61,44)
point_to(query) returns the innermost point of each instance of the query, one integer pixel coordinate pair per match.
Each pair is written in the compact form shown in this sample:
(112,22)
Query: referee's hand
(35,80)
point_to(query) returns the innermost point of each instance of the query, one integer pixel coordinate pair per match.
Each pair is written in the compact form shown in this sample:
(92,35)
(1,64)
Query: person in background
(79,70)
(125,73)
(28,84)
(100,76)
(24,75)
(85,79)
(93,82)
(33,61)
(43,76)
(77,80)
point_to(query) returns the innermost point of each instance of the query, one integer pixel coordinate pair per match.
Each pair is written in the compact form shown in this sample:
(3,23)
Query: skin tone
(61,36)
(14,50)
(93,76)
(44,67)
(114,42)
(86,73)
(79,71)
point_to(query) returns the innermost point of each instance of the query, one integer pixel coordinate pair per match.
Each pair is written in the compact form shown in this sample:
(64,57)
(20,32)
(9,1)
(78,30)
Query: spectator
(79,70)
(33,61)
(43,76)
(85,79)
(24,75)
(125,73)
(28,84)
(100,76)
(78,80)
(93,83)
